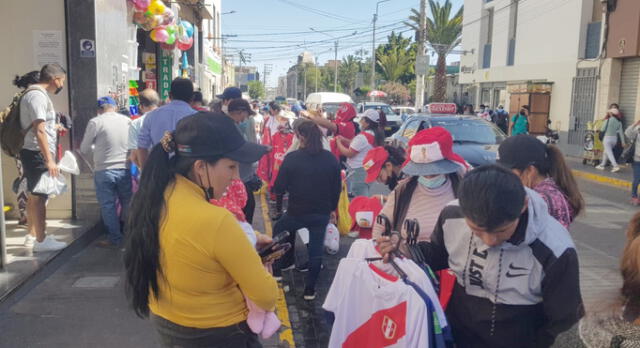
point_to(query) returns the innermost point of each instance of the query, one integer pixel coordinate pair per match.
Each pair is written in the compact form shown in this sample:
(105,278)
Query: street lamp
(335,79)
(373,46)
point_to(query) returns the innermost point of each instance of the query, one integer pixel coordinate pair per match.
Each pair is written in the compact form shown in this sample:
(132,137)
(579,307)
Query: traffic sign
(422,65)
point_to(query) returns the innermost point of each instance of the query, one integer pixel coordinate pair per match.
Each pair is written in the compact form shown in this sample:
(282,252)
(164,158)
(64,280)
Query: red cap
(430,152)
(364,211)
(373,162)
(346,112)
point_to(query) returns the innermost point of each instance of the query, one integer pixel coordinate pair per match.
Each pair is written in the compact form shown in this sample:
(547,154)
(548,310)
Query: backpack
(11,132)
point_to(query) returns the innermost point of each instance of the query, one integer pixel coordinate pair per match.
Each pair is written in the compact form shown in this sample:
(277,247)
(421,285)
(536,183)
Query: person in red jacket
(343,126)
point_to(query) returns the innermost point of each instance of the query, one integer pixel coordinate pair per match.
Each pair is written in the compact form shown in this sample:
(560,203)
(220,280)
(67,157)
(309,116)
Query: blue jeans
(317,226)
(636,179)
(356,182)
(112,184)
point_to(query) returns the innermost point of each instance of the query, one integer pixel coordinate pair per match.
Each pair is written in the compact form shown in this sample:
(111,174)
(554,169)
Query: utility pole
(335,77)
(373,46)
(304,71)
(317,74)
(422,38)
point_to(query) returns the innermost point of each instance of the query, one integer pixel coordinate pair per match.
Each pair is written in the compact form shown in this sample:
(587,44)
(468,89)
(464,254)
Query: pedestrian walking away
(542,168)
(165,118)
(612,134)
(516,266)
(311,176)
(105,138)
(501,119)
(187,245)
(38,155)
(632,134)
(372,135)
(149,101)
(434,172)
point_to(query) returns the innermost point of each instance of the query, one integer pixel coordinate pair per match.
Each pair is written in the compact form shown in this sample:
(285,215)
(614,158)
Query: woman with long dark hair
(372,135)
(188,263)
(542,168)
(311,176)
(613,133)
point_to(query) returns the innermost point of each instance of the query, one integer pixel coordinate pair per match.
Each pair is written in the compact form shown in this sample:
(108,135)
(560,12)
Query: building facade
(244,75)
(534,53)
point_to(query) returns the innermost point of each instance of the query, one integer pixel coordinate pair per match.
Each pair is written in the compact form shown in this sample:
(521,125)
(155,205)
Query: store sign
(165,68)
(443,108)
(214,65)
(422,65)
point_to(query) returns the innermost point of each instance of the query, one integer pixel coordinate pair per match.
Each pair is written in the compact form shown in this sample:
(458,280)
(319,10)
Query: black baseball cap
(208,134)
(521,151)
(230,93)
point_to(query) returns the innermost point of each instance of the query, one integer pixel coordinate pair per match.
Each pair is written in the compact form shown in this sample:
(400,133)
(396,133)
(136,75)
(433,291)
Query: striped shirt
(426,205)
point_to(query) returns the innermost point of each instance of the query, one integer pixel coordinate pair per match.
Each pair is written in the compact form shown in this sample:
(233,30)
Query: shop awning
(199,6)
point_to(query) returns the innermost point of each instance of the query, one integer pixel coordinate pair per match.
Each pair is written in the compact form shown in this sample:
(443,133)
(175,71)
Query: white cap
(287,114)
(372,114)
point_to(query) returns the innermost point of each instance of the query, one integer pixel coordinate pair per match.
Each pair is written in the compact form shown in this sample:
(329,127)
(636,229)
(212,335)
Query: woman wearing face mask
(180,245)
(542,168)
(384,165)
(434,171)
(372,134)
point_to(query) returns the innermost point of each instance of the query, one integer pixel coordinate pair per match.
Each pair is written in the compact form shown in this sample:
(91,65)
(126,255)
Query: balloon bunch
(166,29)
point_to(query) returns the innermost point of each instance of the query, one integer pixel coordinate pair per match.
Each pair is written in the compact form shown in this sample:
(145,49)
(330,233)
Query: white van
(328,101)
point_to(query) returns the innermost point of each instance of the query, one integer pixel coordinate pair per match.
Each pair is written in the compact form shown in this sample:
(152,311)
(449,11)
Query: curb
(601,179)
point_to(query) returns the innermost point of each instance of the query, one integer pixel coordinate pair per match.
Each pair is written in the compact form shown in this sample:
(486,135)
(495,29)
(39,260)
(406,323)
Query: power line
(318,12)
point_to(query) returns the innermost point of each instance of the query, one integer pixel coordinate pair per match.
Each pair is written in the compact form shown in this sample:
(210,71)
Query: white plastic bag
(51,186)
(69,164)
(332,239)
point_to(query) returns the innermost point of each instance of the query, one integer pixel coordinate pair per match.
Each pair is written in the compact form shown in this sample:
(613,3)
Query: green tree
(256,89)
(394,64)
(396,92)
(402,46)
(347,73)
(444,34)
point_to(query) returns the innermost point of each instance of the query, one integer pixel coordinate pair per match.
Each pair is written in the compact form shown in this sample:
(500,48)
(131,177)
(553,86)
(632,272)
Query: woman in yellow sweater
(188,262)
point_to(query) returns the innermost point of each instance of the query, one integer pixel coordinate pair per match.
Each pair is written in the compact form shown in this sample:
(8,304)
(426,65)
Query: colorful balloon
(157,7)
(185,46)
(169,17)
(159,34)
(188,28)
(141,5)
(172,29)
(171,39)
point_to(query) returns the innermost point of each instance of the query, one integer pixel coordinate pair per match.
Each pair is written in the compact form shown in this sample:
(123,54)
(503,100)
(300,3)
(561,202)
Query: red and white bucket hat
(431,153)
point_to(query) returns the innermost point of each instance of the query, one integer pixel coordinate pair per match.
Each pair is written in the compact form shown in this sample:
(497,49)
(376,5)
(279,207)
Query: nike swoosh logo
(516,268)
(509,275)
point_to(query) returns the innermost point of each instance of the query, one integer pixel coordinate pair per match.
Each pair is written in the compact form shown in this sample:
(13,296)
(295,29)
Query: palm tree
(347,73)
(444,34)
(394,64)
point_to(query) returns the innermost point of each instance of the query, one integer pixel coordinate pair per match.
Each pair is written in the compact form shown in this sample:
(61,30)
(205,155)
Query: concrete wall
(550,38)
(21,19)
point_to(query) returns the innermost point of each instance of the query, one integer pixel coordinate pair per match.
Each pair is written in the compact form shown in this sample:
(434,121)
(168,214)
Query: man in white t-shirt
(38,154)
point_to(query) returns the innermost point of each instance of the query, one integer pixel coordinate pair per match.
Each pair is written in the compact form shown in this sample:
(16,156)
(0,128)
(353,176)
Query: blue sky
(276,31)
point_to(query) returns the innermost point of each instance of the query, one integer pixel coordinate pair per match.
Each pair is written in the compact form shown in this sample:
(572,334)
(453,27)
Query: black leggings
(176,336)
(249,209)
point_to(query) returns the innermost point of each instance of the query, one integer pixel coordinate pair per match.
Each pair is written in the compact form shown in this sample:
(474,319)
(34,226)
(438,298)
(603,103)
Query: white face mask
(225,109)
(432,183)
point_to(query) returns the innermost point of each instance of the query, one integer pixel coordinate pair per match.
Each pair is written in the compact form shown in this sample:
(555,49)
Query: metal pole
(316,74)
(373,51)
(3,229)
(335,78)
(304,92)
(422,35)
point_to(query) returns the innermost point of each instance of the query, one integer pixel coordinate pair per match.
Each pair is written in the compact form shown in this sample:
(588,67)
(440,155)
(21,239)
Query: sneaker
(615,169)
(29,240)
(288,268)
(635,201)
(48,244)
(278,278)
(309,295)
(600,167)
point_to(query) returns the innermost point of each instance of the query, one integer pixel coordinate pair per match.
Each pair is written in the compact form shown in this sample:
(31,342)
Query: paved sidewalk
(621,179)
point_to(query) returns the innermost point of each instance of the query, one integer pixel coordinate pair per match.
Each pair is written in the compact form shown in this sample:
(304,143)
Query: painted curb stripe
(603,179)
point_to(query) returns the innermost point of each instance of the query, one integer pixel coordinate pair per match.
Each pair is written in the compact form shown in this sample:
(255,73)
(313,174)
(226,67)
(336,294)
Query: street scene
(283,173)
